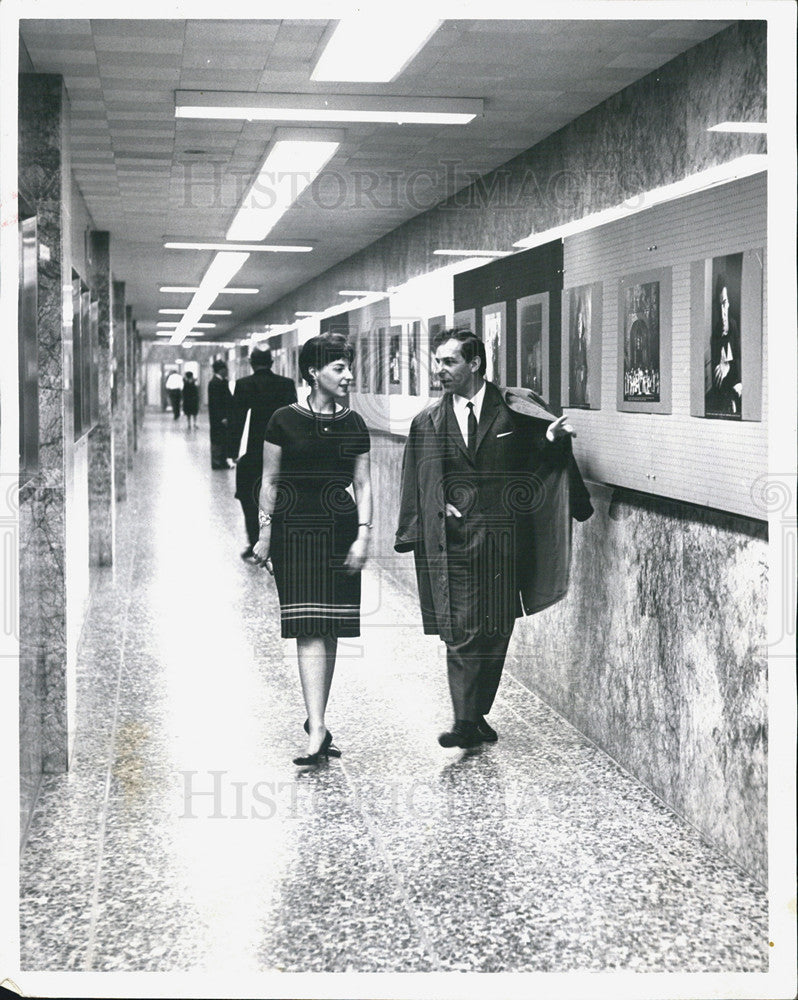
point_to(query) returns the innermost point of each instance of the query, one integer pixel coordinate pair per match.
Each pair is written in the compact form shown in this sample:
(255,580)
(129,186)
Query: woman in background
(314,535)
(190,399)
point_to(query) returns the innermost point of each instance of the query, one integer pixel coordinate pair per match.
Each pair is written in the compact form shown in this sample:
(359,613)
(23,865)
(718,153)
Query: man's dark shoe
(248,555)
(463,734)
(486,731)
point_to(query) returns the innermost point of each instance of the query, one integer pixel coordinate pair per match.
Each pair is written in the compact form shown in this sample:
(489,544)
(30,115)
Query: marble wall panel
(129,387)
(657,653)
(102,498)
(648,134)
(118,395)
(31,665)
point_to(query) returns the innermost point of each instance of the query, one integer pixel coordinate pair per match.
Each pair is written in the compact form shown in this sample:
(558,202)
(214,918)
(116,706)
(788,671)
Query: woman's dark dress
(190,398)
(314,520)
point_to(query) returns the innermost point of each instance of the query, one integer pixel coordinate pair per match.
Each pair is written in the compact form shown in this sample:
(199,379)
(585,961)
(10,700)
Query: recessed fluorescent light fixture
(222,268)
(208,312)
(329,108)
(357,294)
(181,289)
(759,128)
(473,253)
(308,313)
(196,325)
(373,47)
(290,166)
(243,247)
(743,166)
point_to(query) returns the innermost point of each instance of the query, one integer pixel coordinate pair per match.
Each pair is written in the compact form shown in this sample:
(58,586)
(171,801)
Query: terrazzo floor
(183,838)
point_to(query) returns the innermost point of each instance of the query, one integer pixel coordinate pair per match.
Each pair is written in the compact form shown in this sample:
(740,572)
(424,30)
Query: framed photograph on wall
(494,335)
(582,321)
(364,366)
(395,360)
(726,336)
(381,360)
(532,338)
(644,347)
(413,345)
(434,326)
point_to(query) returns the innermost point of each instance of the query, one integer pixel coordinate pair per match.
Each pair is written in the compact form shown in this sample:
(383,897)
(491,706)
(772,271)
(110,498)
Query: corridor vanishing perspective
(182,837)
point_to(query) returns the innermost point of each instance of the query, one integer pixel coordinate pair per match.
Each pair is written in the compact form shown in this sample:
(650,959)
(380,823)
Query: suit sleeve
(408,533)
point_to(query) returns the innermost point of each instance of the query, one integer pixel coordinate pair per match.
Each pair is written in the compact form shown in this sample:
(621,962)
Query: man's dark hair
(260,357)
(322,350)
(470,345)
(219,365)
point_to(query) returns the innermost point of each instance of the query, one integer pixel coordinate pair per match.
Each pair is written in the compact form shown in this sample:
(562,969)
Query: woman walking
(190,399)
(314,535)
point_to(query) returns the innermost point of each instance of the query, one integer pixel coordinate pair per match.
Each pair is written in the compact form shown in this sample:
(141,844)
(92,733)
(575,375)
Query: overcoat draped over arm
(553,493)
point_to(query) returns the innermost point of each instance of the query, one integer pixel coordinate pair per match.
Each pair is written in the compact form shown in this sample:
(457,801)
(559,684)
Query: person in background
(174,389)
(190,399)
(315,523)
(258,395)
(220,411)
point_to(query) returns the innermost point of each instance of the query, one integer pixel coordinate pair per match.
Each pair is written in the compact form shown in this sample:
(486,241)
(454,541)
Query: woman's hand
(357,555)
(260,550)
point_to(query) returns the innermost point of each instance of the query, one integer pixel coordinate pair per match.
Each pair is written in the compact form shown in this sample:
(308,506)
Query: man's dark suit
(509,552)
(259,394)
(220,410)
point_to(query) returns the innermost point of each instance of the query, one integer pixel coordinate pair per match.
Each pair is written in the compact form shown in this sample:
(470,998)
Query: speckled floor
(184,839)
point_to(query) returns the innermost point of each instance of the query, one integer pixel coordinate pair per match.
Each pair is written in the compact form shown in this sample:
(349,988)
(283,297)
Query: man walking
(174,389)
(258,395)
(220,411)
(488,487)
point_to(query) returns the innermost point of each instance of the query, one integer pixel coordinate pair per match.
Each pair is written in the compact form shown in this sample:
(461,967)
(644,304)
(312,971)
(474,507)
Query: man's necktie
(472,429)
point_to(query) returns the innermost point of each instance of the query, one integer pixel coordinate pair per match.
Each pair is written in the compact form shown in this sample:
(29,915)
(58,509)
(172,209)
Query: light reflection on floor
(184,838)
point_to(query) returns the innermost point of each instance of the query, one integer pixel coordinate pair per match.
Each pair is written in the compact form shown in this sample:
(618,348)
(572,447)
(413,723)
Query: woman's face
(334,378)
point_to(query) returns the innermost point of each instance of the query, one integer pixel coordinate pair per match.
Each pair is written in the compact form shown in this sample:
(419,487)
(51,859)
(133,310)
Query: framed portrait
(494,336)
(532,340)
(394,360)
(434,326)
(413,345)
(364,366)
(582,320)
(380,360)
(644,348)
(726,336)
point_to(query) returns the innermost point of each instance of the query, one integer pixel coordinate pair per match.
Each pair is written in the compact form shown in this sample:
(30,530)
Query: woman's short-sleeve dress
(314,520)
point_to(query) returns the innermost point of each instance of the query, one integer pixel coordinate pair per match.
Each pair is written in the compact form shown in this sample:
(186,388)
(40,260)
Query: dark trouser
(219,446)
(174,399)
(248,477)
(482,597)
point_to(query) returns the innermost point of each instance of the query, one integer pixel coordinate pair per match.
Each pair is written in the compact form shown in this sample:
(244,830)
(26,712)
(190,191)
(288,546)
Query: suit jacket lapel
(491,405)
(446,427)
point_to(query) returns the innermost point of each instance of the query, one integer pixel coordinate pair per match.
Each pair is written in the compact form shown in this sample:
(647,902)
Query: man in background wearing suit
(258,395)
(489,486)
(220,408)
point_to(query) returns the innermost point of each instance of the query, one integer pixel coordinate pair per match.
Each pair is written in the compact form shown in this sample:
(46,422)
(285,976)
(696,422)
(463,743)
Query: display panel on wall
(395,360)
(413,348)
(644,351)
(381,360)
(434,327)
(364,364)
(28,346)
(532,343)
(726,336)
(582,321)
(494,336)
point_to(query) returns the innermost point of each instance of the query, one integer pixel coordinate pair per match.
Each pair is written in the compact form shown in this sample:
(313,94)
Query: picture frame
(726,322)
(494,336)
(582,325)
(434,325)
(644,342)
(532,318)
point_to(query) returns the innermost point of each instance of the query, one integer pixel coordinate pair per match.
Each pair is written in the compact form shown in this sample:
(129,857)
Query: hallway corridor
(183,838)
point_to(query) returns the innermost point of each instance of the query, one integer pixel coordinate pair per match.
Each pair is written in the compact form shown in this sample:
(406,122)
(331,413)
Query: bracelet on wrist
(364,524)
(264,519)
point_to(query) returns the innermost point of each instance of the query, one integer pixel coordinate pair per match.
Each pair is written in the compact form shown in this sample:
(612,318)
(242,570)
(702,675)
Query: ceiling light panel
(290,166)
(208,312)
(327,108)
(373,47)
(222,268)
(188,289)
(244,247)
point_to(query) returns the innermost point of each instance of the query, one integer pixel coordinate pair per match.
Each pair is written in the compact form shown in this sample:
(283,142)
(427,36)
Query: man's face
(724,308)
(455,373)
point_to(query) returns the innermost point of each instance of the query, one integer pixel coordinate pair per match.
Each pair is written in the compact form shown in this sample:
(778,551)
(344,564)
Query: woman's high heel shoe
(326,750)
(331,750)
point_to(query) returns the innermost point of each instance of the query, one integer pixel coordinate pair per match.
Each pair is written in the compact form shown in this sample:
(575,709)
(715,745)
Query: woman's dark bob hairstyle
(322,350)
